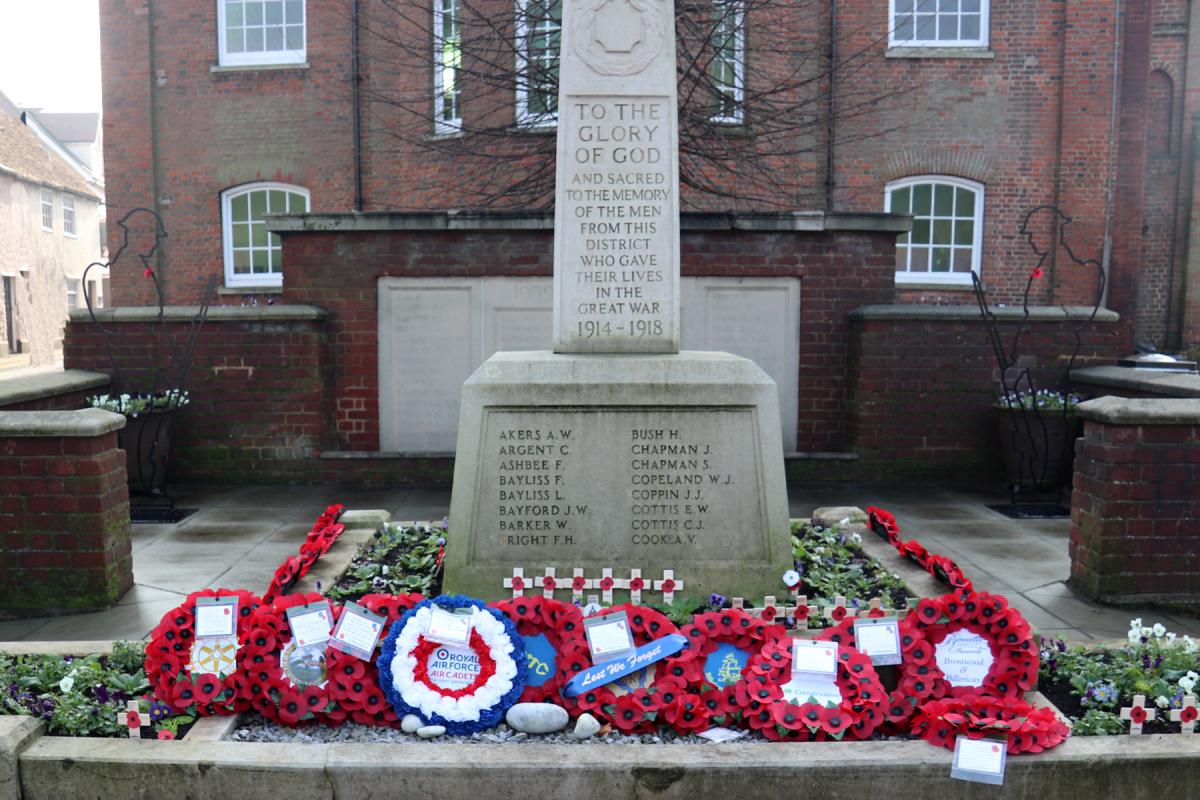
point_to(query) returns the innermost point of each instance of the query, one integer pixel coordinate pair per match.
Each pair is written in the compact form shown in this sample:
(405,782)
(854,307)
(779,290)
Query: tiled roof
(23,155)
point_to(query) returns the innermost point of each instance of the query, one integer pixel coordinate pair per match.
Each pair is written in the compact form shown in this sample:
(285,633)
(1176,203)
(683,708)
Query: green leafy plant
(396,560)
(831,562)
(1090,684)
(1041,400)
(76,696)
(141,402)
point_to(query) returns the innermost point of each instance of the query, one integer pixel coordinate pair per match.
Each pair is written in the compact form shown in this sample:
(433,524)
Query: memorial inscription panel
(618,275)
(632,485)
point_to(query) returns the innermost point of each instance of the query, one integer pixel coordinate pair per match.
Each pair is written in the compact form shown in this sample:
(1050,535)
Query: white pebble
(411,723)
(586,726)
(537,717)
(431,731)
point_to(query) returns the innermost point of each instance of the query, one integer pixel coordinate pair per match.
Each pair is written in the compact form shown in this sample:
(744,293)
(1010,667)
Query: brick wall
(256,382)
(923,384)
(839,271)
(177,132)
(1135,509)
(64,514)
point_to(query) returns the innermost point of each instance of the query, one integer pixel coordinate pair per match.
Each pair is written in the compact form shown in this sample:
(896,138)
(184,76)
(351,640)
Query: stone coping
(215,313)
(49,384)
(87,422)
(797,221)
(1152,766)
(1141,410)
(1147,381)
(970,311)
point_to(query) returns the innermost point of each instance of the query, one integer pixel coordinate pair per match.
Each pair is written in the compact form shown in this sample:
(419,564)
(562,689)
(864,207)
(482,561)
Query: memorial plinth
(650,462)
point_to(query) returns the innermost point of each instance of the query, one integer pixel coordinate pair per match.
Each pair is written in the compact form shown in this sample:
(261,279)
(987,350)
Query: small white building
(50,231)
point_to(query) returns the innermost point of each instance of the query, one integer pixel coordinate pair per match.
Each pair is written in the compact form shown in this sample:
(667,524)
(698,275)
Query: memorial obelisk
(616,450)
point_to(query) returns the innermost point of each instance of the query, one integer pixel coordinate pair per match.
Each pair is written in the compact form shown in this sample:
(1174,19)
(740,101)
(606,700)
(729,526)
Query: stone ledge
(1148,381)
(215,313)
(970,312)
(907,51)
(88,422)
(1142,410)
(50,384)
(799,221)
(17,733)
(1152,766)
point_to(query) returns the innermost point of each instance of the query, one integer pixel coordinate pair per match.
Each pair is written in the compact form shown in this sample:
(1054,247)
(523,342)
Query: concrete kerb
(1154,766)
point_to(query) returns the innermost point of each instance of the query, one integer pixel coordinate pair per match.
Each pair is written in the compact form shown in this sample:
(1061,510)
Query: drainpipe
(160,254)
(831,123)
(355,78)
(1106,255)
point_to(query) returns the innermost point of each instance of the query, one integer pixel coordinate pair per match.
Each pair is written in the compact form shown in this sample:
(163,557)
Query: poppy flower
(668,586)
(838,614)
(929,610)
(292,707)
(207,687)
(1188,714)
(627,714)
(834,720)
(549,583)
(315,698)
(183,695)
(636,584)
(606,583)
(1137,714)
(579,583)
(687,714)
(790,716)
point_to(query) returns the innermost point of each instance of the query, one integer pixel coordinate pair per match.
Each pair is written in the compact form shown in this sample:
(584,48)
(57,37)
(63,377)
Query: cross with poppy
(838,611)
(578,584)
(516,582)
(1137,714)
(1186,715)
(133,719)
(803,612)
(635,584)
(549,583)
(606,584)
(876,605)
(668,586)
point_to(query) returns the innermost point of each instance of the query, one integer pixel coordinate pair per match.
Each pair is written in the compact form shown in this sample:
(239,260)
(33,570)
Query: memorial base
(647,462)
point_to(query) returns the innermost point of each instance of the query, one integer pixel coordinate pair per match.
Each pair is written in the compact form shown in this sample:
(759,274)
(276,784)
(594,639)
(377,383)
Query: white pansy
(1136,624)
(1147,632)
(67,683)
(1189,644)
(1159,630)
(1188,682)
(1161,701)
(1135,635)
(1170,637)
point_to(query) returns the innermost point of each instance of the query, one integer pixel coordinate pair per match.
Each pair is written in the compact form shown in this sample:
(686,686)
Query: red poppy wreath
(1029,729)
(172,648)
(903,701)
(283,683)
(978,645)
(356,682)
(549,628)
(762,704)
(633,704)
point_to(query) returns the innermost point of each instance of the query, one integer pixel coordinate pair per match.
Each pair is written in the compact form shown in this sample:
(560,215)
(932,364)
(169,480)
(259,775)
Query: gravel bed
(261,729)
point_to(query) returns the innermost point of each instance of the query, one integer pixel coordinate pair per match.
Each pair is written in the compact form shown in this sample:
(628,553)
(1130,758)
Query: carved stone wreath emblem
(618,37)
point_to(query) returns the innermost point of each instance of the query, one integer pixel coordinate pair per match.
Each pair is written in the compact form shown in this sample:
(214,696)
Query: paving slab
(121,622)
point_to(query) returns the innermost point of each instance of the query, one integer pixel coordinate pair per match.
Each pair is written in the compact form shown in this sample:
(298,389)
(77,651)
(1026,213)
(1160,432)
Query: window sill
(235,290)
(934,286)
(218,69)
(969,52)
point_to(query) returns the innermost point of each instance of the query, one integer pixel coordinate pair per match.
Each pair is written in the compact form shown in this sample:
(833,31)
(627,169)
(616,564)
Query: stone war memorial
(661,494)
(617,449)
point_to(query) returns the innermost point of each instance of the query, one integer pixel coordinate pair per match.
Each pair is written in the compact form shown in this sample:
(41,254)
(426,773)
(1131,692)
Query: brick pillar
(1135,509)
(64,512)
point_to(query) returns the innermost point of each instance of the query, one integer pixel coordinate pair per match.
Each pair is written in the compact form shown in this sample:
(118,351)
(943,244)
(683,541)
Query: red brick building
(1007,105)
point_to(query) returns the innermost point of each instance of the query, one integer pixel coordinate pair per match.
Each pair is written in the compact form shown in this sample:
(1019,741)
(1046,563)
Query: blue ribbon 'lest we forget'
(610,671)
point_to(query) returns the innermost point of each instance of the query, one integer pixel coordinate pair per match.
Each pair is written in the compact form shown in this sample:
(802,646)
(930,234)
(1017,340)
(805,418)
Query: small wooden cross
(738,603)
(133,719)
(1137,714)
(578,584)
(635,585)
(549,584)
(606,585)
(804,612)
(838,602)
(1186,715)
(516,582)
(668,586)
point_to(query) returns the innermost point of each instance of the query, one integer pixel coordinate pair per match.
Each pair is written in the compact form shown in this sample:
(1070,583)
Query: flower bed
(81,696)
(396,560)
(1091,684)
